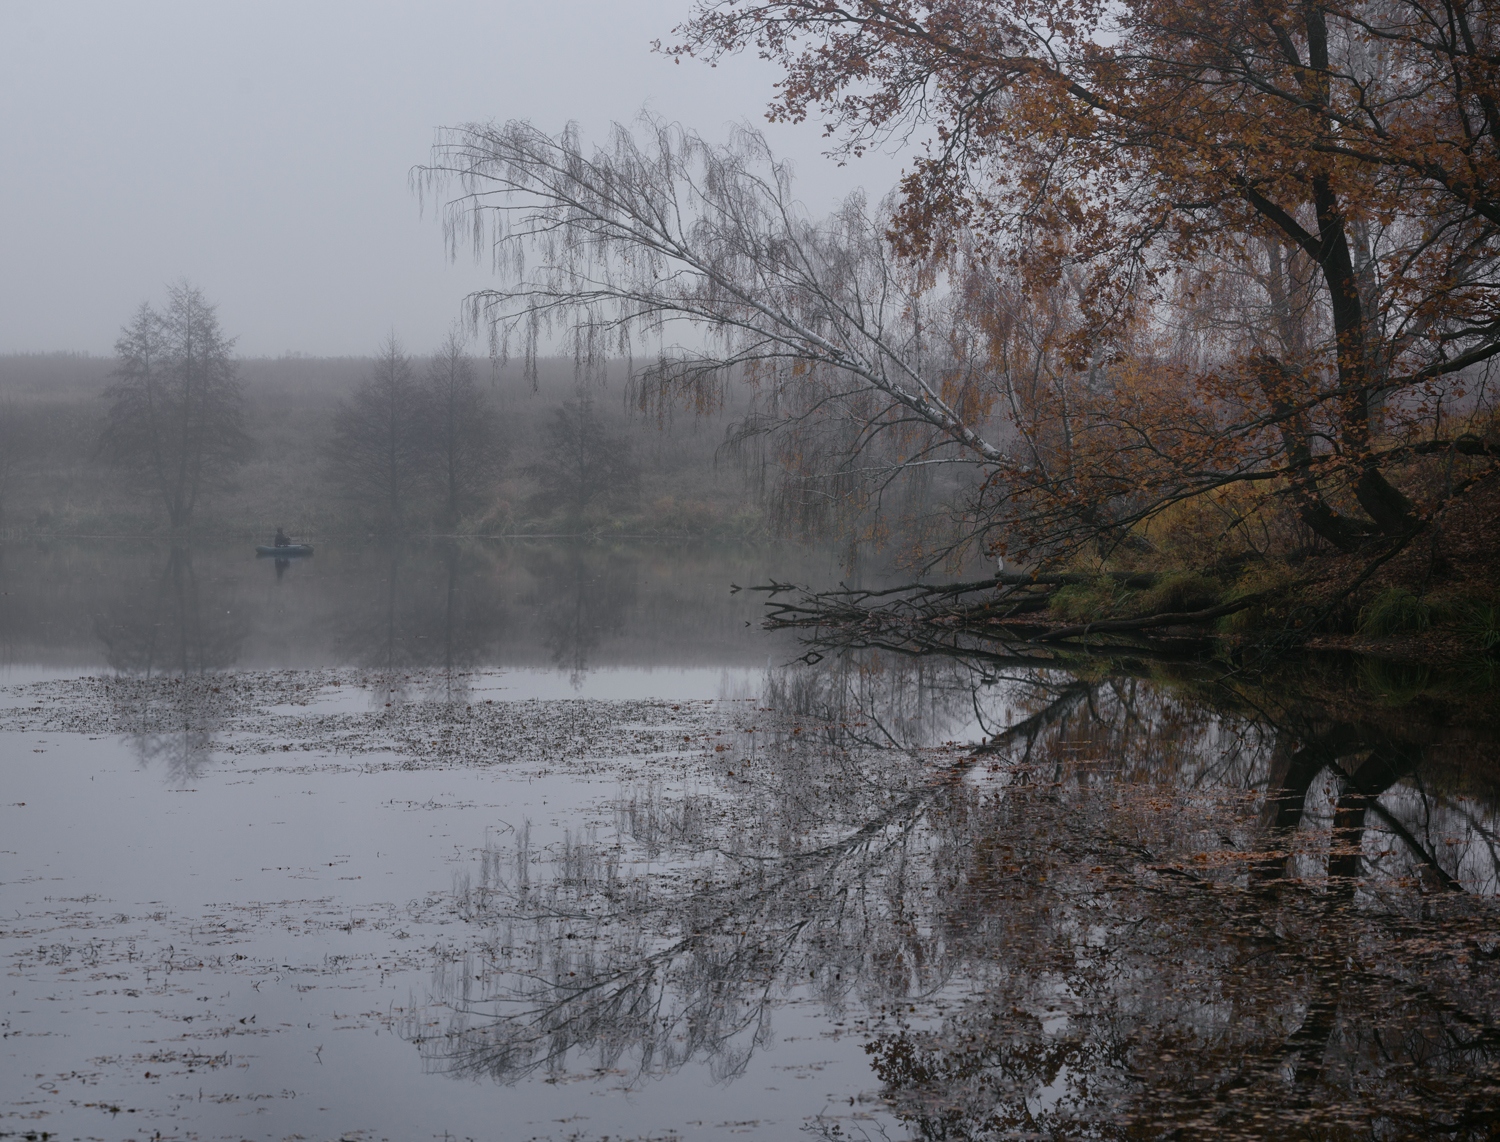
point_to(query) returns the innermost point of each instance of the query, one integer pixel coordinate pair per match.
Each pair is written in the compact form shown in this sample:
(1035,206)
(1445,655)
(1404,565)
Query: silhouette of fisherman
(281,539)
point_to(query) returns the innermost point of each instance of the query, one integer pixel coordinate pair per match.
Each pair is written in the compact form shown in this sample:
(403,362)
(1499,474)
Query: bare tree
(583,463)
(377,452)
(17,450)
(463,440)
(647,237)
(176,417)
(874,360)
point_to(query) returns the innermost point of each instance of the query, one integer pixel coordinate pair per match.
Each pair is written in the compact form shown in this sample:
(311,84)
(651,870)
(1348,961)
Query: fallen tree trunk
(1009,599)
(925,599)
(1150,622)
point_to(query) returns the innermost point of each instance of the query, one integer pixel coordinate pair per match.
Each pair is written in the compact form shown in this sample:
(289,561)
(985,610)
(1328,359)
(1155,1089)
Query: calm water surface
(554,842)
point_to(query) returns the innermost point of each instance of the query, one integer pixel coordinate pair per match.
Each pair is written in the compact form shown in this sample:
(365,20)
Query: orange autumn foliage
(1200,245)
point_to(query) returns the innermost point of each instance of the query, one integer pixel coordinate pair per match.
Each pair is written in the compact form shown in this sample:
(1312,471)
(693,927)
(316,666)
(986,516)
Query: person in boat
(281,539)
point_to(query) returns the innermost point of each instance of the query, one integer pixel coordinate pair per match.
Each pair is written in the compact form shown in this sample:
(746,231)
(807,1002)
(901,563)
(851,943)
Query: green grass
(1480,623)
(1176,592)
(1179,592)
(1394,683)
(1087,602)
(1392,612)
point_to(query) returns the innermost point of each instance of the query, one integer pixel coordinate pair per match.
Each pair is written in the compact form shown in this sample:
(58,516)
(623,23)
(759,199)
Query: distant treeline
(485,451)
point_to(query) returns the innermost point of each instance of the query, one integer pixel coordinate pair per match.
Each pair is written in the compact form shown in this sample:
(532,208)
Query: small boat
(290,551)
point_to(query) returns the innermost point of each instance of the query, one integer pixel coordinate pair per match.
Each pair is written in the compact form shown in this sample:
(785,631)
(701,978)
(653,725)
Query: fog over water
(543,841)
(398,744)
(153,608)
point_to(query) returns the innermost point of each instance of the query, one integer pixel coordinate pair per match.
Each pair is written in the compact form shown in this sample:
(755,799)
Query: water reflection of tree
(1167,985)
(177,630)
(583,594)
(1103,921)
(437,609)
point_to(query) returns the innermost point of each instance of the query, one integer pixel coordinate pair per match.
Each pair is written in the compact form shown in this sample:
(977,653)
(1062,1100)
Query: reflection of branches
(757,921)
(586,592)
(1081,889)
(606,991)
(163,628)
(434,608)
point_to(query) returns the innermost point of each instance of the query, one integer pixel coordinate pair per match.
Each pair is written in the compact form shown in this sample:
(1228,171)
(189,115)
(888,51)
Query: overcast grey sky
(261,150)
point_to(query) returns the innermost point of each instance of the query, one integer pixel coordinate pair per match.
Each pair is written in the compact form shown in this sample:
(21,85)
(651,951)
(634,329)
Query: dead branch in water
(1007,606)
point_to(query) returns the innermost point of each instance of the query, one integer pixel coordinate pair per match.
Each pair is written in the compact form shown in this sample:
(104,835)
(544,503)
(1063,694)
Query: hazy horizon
(262,153)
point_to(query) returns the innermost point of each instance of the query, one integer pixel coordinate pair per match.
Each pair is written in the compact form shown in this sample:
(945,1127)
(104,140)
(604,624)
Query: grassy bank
(53,484)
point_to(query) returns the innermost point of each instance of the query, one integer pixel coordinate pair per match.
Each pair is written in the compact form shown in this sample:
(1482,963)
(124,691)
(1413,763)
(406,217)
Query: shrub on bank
(1181,591)
(1480,624)
(1394,611)
(1086,602)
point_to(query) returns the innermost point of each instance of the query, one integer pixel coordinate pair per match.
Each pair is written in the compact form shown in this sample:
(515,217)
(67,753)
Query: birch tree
(1034,306)
(697,263)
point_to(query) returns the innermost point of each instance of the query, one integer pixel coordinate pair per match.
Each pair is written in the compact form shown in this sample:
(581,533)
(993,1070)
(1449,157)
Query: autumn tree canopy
(1271,227)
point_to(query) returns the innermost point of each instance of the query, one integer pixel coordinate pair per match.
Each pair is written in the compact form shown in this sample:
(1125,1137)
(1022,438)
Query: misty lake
(553,841)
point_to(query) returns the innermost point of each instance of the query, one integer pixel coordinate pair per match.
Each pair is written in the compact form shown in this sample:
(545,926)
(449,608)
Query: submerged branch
(994,608)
